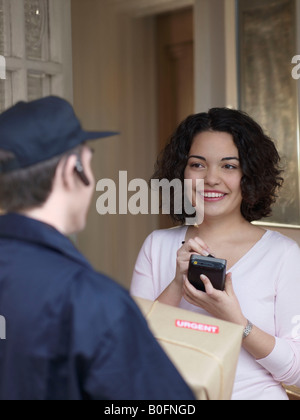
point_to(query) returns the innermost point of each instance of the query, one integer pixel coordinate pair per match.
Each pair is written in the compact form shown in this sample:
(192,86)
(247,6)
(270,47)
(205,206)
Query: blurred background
(140,67)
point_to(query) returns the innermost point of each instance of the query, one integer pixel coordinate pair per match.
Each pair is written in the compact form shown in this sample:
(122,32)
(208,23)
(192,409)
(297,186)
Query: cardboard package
(205,350)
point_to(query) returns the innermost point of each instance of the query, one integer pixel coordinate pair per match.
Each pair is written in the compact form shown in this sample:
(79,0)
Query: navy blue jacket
(72,333)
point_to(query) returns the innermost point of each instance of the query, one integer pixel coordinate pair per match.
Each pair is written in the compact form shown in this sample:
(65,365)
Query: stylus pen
(210,255)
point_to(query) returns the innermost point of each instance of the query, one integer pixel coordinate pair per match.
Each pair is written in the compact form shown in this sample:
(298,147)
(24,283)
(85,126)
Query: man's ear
(65,172)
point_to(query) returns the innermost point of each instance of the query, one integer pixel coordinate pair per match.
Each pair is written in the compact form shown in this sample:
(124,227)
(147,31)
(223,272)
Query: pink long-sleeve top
(267,283)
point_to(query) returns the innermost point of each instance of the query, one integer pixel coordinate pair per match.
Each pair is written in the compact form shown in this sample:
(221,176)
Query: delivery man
(71,333)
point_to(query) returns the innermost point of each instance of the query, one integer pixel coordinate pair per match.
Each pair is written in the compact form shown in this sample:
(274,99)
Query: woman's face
(214,158)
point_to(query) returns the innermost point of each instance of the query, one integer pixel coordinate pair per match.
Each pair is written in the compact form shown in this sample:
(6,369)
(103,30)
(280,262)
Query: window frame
(18,66)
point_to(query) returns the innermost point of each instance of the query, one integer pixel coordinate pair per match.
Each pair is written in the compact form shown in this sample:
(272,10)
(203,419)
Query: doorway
(175,75)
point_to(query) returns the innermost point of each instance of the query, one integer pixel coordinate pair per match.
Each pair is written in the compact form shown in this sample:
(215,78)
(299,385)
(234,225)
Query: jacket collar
(22,228)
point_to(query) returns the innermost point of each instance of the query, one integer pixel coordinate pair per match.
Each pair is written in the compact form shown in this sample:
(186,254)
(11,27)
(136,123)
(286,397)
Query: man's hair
(27,188)
(260,161)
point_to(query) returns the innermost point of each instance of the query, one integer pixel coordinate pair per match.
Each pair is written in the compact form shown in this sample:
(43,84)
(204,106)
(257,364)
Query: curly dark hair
(260,161)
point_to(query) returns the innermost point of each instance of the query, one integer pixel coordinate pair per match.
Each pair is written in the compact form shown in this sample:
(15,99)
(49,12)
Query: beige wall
(114,89)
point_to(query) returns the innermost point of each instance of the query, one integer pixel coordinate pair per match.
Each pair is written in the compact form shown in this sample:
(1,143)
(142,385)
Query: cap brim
(94,135)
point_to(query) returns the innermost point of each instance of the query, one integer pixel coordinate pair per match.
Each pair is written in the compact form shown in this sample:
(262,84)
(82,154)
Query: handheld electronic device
(80,172)
(213,268)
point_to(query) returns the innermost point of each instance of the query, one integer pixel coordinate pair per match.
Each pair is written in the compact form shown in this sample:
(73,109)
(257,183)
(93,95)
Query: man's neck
(50,217)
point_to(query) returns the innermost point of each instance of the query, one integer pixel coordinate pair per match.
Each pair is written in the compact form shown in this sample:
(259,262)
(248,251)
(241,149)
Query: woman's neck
(223,227)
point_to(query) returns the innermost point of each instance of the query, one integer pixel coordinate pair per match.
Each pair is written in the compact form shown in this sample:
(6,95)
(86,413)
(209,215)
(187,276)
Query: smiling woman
(240,168)
(252,152)
(215,158)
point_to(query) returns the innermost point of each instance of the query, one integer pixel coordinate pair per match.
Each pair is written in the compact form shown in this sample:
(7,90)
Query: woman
(239,165)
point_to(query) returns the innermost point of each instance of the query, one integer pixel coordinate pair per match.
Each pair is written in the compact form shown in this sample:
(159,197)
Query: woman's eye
(230,167)
(197,165)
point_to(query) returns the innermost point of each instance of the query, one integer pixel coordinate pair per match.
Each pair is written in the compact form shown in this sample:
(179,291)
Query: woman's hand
(225,306)
(174,292)
(193,246)
(221,305)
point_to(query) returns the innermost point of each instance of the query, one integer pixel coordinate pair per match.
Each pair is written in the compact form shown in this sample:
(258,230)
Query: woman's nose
(212,177)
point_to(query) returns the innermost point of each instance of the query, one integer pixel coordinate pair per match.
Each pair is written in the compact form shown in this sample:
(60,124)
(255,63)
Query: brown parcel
(205,350)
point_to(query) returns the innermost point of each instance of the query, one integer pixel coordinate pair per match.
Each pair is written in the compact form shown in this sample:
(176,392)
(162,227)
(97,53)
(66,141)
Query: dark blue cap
(41,130)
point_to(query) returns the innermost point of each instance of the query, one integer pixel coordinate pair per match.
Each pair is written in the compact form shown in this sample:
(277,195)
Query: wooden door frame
(215,44)
(143,8)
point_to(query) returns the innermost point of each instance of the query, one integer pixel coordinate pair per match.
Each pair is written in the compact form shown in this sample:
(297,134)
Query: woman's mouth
(212,196)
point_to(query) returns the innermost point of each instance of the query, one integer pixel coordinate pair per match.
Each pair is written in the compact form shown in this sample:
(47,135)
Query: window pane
(268,33)
(36,29)
(38,85)
(1,28)
(35,86)
(5,28)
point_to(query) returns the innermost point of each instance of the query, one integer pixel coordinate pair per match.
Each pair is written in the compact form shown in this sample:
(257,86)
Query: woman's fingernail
(205,253)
